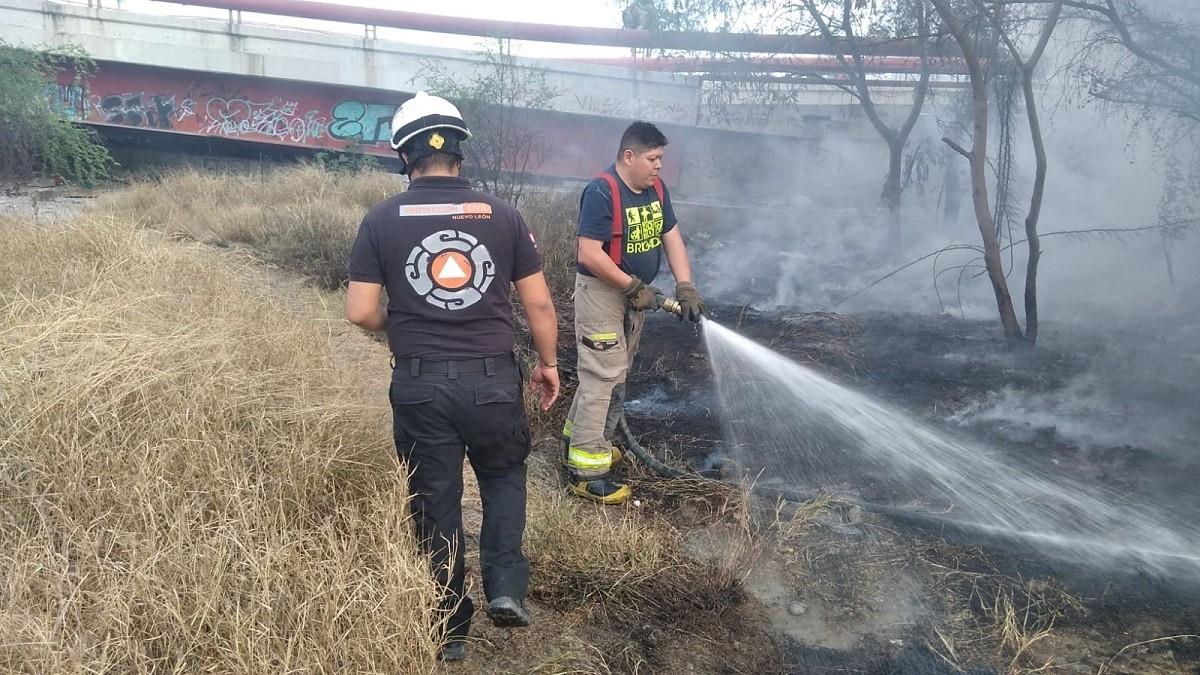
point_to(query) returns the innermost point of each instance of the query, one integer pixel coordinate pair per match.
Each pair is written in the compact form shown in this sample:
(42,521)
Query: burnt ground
(870,593)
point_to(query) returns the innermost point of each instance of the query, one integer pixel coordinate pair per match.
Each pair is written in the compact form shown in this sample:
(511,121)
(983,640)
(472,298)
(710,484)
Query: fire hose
(666,471)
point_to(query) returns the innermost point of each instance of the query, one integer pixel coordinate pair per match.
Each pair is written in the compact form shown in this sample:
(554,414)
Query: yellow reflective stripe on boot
(586,460)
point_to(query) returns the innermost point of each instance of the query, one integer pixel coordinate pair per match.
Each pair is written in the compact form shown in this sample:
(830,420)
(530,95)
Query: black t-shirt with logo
(447,255)
(645,220)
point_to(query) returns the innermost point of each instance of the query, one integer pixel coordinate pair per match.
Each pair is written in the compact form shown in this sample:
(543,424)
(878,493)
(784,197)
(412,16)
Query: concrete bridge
(225,79)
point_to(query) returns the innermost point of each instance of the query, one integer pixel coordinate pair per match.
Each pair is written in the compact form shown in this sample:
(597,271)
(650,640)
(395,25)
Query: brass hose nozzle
(670,304)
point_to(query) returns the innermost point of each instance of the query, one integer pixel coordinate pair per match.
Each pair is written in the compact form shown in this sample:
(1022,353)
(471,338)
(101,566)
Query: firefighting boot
(617,455)
(601,491)
(588,474)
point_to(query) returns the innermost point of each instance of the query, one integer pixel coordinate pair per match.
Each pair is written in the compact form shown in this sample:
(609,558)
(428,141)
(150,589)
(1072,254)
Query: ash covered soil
(870,593)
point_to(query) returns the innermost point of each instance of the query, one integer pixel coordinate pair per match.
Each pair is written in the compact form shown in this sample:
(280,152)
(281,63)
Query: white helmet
(421,113)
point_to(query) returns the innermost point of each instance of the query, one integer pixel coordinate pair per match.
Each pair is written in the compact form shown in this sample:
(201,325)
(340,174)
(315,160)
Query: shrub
(34,138)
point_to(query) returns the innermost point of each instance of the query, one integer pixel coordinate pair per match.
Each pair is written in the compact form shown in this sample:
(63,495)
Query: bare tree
(1158,69)
(969,42)
(980,28)
(853,30)
(497,100)
(1027,66)
(840,27)
(1142,62)
(1154,72)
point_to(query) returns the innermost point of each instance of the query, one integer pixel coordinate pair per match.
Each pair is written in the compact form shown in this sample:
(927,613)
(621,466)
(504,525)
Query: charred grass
(992,616)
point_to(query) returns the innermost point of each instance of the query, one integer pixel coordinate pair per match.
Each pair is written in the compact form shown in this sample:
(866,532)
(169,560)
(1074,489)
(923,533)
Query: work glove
(690,305)
(640,296)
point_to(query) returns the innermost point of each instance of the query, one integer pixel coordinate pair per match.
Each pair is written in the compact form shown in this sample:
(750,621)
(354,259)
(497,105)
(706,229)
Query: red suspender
(618,216)
(618,223)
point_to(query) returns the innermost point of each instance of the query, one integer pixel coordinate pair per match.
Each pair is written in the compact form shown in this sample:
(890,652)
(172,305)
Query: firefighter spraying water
(626,226)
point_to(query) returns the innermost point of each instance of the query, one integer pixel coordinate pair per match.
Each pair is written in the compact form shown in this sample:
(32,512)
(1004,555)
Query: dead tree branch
(957,148)
(889,275)
(1097,231)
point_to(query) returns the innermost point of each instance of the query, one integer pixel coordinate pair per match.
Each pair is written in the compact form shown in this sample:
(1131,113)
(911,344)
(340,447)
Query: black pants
(442,410)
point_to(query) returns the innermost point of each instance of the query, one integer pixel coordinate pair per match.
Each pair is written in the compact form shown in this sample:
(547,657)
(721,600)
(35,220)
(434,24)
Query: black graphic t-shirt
(447,255)
(645,220)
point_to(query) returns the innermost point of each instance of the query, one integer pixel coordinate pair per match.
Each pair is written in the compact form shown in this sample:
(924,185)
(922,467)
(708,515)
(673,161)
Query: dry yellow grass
(551,216)
(302,218)
(583,552)
(186,483)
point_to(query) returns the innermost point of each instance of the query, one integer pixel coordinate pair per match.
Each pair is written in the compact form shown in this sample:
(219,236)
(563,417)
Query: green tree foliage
(34,139)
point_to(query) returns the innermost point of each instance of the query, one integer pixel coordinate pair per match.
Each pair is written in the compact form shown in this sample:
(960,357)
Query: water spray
(990,496)
(801,429)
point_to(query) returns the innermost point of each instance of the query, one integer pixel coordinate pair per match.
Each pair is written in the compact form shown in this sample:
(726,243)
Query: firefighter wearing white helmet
(449,257)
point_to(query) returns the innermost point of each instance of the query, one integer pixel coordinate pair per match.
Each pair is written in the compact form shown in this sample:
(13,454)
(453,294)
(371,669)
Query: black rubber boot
(453,651)
(507,612)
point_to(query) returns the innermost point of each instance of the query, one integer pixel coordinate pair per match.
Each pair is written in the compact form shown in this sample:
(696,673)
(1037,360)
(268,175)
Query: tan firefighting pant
(606,337)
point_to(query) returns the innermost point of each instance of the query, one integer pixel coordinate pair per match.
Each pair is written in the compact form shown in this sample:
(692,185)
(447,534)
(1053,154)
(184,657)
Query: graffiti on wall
(137,109)
(276,120)
(69,100)
(225,106)
(329,117)
(362,122)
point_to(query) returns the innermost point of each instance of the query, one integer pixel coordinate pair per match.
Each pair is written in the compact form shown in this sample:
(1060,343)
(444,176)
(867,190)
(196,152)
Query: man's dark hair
(436,161)
(433,149)
(640,137)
